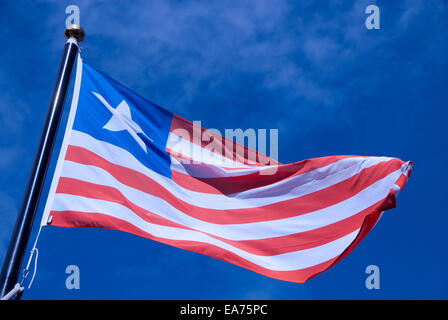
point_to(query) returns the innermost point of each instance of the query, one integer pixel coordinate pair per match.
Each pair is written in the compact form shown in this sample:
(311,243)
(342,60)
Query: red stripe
(82,220)
(288,208)
(410,164)
(239,153)
(265,247)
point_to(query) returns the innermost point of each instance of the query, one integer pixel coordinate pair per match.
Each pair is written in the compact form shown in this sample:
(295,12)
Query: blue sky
(309,68)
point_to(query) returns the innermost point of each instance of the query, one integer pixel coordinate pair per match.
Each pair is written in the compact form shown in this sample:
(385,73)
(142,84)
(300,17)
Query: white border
(67,134)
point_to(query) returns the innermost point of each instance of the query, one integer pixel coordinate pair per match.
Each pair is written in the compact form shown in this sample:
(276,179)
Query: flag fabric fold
(129,165)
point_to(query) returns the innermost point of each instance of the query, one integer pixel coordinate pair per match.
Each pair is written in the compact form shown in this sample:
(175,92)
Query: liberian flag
(127,164)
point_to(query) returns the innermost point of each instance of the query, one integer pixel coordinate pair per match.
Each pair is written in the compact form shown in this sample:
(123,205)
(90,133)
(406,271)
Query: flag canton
(110,112)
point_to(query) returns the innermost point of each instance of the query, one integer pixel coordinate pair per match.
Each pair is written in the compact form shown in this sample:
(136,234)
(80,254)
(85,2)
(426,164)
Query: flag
(130,165)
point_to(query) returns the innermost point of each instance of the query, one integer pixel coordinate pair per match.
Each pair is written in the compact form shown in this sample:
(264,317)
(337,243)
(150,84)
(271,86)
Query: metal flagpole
(24,222)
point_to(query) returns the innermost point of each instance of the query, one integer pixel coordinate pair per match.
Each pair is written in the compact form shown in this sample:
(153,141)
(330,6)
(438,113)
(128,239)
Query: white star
(122,120)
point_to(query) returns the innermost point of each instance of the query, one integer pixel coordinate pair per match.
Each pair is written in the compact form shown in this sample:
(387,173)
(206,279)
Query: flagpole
(24,222)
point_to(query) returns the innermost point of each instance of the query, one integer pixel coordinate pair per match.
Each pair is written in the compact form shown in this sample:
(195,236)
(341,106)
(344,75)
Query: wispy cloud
(8,211)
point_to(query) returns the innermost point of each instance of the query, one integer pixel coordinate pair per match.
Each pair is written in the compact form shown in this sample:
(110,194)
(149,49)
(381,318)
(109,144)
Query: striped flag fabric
(129,165)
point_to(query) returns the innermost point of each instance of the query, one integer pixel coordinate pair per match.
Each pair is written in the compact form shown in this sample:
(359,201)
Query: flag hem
(65,142)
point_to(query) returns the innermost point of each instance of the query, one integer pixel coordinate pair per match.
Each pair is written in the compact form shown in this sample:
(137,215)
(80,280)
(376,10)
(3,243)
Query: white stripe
(68,130)
(284,190)
(201,155)
(248,231)
(283,262)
